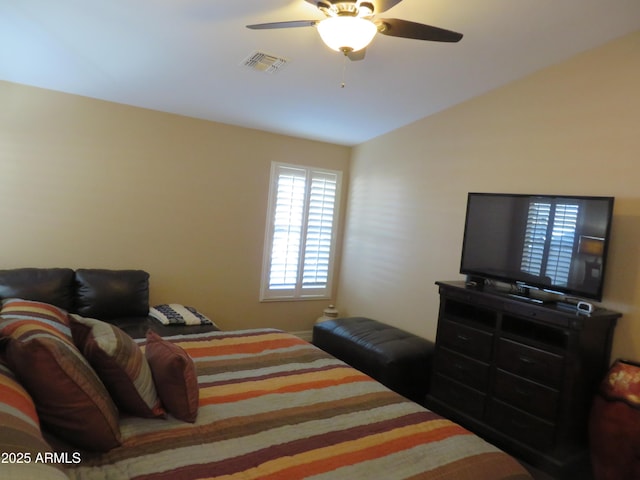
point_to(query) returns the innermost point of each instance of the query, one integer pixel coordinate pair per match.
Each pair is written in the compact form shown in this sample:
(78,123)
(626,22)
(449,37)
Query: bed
(273,406)
(262,404)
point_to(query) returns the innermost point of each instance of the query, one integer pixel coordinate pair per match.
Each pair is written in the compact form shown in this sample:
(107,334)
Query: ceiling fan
(350,25)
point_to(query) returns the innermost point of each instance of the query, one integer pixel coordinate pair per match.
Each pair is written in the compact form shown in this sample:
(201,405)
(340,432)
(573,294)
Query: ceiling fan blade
(383,5)
(418,31)
(292,24)
(356,56)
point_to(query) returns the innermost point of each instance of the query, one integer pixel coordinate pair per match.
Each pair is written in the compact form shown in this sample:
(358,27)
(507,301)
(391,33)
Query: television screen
(554,243)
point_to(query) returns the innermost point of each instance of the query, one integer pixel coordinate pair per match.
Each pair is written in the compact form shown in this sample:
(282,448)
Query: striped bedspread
(275,407)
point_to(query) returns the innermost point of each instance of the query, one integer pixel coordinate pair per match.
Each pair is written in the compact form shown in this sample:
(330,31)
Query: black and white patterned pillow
(177,314)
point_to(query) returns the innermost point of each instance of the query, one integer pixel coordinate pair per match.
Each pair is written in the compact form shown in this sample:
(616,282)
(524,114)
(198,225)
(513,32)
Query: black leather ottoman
(394,357)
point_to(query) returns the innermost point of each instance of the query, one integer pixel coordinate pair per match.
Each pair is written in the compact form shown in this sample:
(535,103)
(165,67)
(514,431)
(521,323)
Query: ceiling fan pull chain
(344,70)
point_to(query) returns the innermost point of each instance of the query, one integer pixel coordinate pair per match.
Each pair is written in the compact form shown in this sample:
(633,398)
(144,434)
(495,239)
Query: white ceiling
(185,56)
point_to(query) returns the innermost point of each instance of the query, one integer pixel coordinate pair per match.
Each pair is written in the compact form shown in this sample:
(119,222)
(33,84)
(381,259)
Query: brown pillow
(70,399)
(175,377)
(120,364)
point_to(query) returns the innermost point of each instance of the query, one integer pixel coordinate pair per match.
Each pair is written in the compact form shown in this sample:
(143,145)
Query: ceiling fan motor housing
(346,8)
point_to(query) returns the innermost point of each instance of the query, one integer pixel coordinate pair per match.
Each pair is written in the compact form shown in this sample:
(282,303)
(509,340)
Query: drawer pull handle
(459,367)
(527,360)
(462,337)
(522,392)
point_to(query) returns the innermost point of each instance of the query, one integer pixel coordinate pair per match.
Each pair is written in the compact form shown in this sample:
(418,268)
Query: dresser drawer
(458,396)
(524,427)
(539,365)
(463,369)
(529,396)
(539,313)
(467,340)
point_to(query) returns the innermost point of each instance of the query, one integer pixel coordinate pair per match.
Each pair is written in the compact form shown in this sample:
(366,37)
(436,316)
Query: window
(550,259)
(301,229)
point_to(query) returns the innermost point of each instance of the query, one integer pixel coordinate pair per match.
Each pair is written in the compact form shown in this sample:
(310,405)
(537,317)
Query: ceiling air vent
(263,62)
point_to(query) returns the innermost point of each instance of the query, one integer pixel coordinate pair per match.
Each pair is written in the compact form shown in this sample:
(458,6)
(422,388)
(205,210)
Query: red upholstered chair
(614,426)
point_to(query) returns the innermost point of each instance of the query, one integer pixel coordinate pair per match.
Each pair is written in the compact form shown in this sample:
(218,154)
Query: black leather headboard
(97,293)
(120,297)
(108,294)
(48,285)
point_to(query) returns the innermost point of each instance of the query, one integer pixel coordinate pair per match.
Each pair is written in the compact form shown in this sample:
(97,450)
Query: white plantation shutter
(287,229)
(322,201)
(300,238)
(560,222)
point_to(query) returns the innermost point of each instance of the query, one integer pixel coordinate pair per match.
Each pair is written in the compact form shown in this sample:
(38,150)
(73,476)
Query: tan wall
(570,129)
(86,183)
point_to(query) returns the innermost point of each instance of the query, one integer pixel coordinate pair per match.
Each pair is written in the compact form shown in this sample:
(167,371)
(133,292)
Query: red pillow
(174,374)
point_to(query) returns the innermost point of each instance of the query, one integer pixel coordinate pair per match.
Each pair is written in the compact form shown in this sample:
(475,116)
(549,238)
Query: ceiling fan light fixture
(347,33)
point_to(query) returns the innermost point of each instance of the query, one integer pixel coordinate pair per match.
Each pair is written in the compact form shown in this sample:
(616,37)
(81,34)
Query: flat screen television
(551,242)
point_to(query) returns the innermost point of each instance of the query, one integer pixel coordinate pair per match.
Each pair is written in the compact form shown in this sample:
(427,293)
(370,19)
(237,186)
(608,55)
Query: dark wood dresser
(520,374)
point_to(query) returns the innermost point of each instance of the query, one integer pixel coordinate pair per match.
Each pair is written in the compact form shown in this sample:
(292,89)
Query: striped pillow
(20,430)
(19,316)
(70,399)
(120,364)
(20,433)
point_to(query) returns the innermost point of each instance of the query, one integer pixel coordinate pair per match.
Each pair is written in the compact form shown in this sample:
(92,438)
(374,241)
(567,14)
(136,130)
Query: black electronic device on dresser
(521,374)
